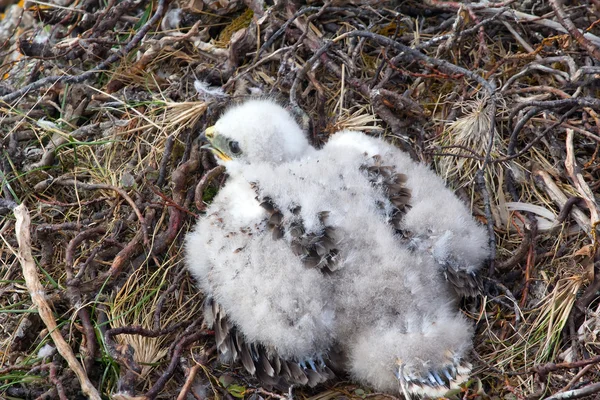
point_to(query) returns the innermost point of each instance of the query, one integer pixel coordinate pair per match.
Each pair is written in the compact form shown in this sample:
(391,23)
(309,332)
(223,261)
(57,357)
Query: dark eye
(234,147)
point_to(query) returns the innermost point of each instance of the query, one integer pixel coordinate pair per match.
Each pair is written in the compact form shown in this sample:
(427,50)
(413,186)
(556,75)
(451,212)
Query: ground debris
(101,106)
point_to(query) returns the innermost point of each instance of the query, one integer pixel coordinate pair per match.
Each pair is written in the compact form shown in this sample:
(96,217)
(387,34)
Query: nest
(101,106)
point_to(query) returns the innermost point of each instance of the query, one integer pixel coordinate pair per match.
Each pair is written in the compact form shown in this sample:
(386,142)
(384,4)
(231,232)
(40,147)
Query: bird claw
(315,363)
(433,381)
(315,369)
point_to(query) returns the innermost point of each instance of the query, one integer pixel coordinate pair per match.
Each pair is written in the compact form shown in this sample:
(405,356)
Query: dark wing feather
(315,249)
(258,360)
(392,184)
(465,284)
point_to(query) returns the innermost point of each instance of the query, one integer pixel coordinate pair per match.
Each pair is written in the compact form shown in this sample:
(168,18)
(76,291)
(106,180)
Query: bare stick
(577,178)
(189,381)
(123,193)
(565,21)
(561,199)
(577,393)
(36,290)
(51,80)
(206,179)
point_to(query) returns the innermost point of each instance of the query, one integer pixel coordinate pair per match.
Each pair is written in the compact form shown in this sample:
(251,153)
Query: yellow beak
(211,134)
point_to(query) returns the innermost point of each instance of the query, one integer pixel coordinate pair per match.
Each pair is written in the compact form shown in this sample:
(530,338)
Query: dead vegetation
(101,104)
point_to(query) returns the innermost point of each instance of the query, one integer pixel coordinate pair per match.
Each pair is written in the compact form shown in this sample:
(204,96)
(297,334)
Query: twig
(120,259)
(513,139)
(36,290)
(581,373)
(168,373)
(121,192)
(518,255)
(266,393)
(124,354)
(55,379)
(565,21)
(522,17)
(206,179)
(163,297)
(76,241)
(189,381)
(52,80)
(590,293)
(577,393)
(488,216)
(542,177)
(165,161)
(577,179)
(490,87)
(568,207)
(59,139)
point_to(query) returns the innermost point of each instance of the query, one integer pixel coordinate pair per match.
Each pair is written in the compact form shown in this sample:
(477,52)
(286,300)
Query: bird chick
(311,258)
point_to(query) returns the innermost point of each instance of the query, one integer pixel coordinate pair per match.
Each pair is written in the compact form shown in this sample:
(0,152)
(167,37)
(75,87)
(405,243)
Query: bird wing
(267,309)
(260,360)
(315,246)
(426,215)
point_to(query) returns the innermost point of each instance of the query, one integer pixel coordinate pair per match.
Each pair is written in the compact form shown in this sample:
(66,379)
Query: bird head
(257,131)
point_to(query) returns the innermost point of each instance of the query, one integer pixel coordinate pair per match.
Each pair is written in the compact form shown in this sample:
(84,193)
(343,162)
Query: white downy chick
(299,254)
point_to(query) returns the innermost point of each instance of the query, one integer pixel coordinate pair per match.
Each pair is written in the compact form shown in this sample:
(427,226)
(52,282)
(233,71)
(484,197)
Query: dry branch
(565,21)
(560,199)
(52,80)
(576,393)
(38,297)
(577,179)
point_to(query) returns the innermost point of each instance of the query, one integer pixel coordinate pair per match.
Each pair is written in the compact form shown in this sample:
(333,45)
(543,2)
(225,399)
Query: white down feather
(384,305)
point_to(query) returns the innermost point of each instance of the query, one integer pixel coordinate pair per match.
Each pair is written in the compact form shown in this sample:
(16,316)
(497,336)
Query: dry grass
(150,115)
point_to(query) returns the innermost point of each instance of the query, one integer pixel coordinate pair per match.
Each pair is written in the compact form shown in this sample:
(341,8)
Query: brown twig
(544,179)
(189,381)
(565,21)
(52,80)
(76,241)
(121,192)
(204,182)
(576,393)
(181,344)
(162,174)
(163,297)
(266,393)
(56,380)
(518,255)
(36,290)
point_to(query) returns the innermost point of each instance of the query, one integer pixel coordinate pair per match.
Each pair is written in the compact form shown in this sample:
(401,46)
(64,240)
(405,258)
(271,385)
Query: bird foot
(432,381)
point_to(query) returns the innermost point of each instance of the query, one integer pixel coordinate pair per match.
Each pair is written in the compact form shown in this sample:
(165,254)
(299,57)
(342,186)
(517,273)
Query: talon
(454,371)
(432,379)
(448,375)
(321,361)
(437,377)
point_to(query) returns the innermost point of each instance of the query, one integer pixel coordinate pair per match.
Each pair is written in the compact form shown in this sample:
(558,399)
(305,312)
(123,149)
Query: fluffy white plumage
(312,259)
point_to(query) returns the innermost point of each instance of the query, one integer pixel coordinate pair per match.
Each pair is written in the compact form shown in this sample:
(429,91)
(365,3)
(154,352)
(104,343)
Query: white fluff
(46,351)
(440,222)
(207,92)
(385,307)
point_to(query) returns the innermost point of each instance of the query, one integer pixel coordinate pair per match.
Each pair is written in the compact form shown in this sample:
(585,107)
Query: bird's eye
(234,147)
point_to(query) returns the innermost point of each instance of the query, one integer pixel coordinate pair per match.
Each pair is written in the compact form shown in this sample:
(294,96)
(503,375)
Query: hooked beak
(210,136)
